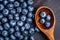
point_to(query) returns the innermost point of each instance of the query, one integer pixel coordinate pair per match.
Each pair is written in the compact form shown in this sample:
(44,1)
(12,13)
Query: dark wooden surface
(55,5)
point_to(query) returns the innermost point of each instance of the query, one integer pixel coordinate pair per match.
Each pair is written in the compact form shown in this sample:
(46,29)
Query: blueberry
(21,0)
(12,37)
(6,26)
(12,22)
(30,2)
(4,33)
(25,33)
(24,11)
(11,30)
(12,11)
(20,23)
(20,37)
(1,28)
(5,11)
(42,21)
(30,14)
(36,29)
(32,38)
(10,6)
(43,14)
(1,7)
(10,16)
(24,5)
(4,20)
(11,0)
(22,28)
(25,38)
(19,9)
(1,0)
(5,2)
(16,18)
(27,26)
(1,38)
(16,4)
(6,38)
(47,24)
(17,34)
(16,28)
(1,15)
(48,17)
(29,20)
(23,18)
(31,31)
(30,8)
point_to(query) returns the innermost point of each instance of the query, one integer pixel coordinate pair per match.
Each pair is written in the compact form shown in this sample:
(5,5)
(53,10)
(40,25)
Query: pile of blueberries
(16,17)
(45,19)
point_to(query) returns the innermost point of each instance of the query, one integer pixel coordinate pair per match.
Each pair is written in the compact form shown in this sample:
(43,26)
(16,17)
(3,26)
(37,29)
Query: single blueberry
(30,8)
(21,0)
(1,38)
(31,31)
(12,11)
(20,37)
(27,26)
(16,4)
(23,18)
(42,21)
(29,20)
(32,38)
(1,7)
(22,28)
(47,24)
(24,5)
(20,23)
(12,37)
(6,26)
(4,33)
(48,17)
(10,16)
(12,22)
(6,38)
(24,11)
(30,14)
(16,18)
(11,30)
(11,0)
(19,9)
(43,14)
(5,2)
(25,38)
(4,20)
(16,28)
(30,2)
(1,15)
(25,33)
(36,29)
(1,28)
(5,11)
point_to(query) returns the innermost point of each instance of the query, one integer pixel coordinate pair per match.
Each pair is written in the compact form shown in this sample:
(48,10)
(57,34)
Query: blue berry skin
(20,37)
(43,14)
(30,2)
(1,7)
(25,38)
(30,14)
(30,8)
(17,34)
(1,28)
(29,20)
(23,18)
(6,38)
(12,22)
(36,29)
(11,0)
(12,11)
(32,38)
(42,21)
(47,24)
(11,30)
(24,5)
(1,0)
(12,37)
(4,20)
(22,28)
(5,11)
(25,33)
(19,9)
(1,15)
(24,11)
(10,16)
(5,2)
(20,23)
(21,0)
(4,33)
(10,6)
(16,28)
(48,17)
(1,38)
(6,26)
(16,4)
(27,26)
(31,31)
(16,18)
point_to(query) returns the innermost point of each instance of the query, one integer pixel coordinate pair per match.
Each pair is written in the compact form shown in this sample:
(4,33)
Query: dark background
(55,5)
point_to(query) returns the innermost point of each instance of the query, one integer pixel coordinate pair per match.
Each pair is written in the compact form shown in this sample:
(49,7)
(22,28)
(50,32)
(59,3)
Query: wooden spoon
(49,32)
